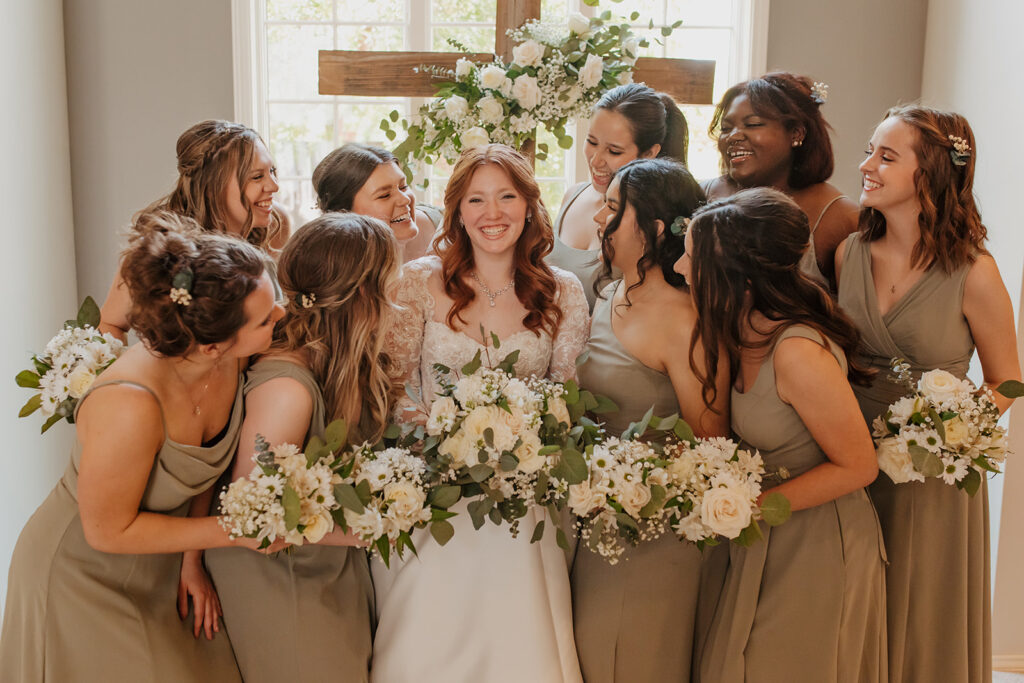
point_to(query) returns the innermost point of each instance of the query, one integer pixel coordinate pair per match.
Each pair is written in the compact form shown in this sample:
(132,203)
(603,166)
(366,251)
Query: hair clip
(819,92)
(181,287)
(680,225)
(305,300)
(961,151)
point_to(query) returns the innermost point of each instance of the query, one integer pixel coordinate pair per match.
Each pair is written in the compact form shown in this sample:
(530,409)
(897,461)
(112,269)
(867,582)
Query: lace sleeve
(574,330)
(403,342)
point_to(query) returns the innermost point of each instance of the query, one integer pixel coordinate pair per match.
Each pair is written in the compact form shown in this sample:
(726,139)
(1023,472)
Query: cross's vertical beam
(512,14)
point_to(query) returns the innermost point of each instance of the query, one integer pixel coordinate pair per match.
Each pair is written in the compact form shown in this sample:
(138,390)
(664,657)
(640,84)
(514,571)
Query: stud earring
(797,143)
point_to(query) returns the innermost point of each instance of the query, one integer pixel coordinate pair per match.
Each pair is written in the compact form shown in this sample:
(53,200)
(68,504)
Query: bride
(486,606)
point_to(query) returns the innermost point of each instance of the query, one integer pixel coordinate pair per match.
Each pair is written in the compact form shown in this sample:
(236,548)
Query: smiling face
(626,242)
(493,211)
(387,196)
(256,196)
(757,150)
(610,146)
(890,168)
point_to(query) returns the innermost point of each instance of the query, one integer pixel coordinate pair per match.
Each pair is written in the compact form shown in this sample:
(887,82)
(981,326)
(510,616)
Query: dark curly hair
(225,271)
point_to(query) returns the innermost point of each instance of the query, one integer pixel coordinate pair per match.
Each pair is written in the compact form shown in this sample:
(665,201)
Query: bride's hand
(194,582)
(337,537)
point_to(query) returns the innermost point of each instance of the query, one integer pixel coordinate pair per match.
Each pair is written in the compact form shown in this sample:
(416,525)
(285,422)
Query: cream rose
(442,415)
(463,67)
(368,524)
(474,137)
(316,527)
(489,417)
(459,448)
(726,510)
(682,468)
(593,69)
(405,499)
(80,380)
(624,77)
(896,462)
(956,432)
(633,497)
(530,459)
(579,25)
(657,476)
(526,91)
(583,500)
(456,107)
(630,51)
(558,408)
(939,385)
(491,110)
(492,77)
(528,53)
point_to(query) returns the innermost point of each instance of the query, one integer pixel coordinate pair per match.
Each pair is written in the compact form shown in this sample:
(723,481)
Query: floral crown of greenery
(961,151)
(181,287)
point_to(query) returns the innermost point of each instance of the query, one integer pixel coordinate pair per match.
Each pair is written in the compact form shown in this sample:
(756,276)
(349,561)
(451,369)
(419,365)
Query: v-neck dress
(313,602)
(78,614)
(634,621)
(936,536)
(807,603)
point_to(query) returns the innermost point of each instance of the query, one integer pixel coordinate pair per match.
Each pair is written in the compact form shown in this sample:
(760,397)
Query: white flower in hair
(819,92)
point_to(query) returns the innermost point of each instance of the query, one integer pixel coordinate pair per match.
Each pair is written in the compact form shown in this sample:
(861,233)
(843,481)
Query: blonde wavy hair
(336,272)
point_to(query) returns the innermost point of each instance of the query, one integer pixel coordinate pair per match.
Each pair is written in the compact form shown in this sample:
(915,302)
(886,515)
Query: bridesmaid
(920,285)
(226,184)
(93,577)
(315,602)
(629,122)
(807,603)
(771,133)
(367,180)
(634,621)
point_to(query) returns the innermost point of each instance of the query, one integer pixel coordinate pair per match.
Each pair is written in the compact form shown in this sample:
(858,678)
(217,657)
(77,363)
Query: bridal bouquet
(289,494)
(556,75)
(944,428)
(714,490)
(68,366)
(622,499)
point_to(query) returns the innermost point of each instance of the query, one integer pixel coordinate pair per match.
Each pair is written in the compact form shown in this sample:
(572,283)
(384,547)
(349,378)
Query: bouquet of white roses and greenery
(68,366)
(943,428)
(289,494)
(557,74)
(507,443)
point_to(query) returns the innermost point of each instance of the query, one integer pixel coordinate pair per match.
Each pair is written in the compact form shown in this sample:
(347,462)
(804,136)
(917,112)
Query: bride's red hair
(535,283)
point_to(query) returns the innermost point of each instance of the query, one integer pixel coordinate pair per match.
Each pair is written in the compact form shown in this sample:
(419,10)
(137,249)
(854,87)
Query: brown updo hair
(654,119)
(341,174)
(225,271)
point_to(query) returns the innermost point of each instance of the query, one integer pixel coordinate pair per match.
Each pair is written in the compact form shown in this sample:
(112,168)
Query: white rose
(463,67)
(579,25)
(442,415)
(593,69)
(895,461)
(956,432)
(630,51)
(474,137)
(456,107)
(459,449)
(316,527)
(405,499)
(506,87)
(80,380)
(368,524)
(530,459)
(903,409)
(633,496)
(489,417)
(492,77)
(528,53)
(657,477)
(491,110)
(726,510)
(625,77)
(583,500)
(557,407)
(525,89)
(682,467)
(939,385)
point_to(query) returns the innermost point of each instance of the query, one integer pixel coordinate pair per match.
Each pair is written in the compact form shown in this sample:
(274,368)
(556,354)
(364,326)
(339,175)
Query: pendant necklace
(488,293)
(196,410)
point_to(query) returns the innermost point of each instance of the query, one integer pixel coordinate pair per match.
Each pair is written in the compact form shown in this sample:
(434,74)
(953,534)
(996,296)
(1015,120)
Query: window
(276,44)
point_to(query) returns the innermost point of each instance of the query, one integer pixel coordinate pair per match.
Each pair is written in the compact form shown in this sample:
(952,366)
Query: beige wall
(139,73)
(870,54)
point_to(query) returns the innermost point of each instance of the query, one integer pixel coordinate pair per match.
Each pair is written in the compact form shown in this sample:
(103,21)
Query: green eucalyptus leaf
(445,496)
(292,508)
(775,509)
(27,379)
(480,473)
(478,509)
(538,532)
(88,313)
(937,424)
(749,535)
(31,406)
(541,487)
(508,363)
(336,434)
(495,516)
(595,533)
(626,522)
(53,419)
(473,365)
(1011,388)
(363,491)
(971,482)
(576,470)
(495,342)
(561,539)
(347,497)
(604,405)
(508,461)
(925,462)
(658,495)
(684,432)
(571,392)
(394,115)
(442,531)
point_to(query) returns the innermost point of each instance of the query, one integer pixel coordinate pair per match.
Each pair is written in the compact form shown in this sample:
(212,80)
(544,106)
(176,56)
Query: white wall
(37,265)
(972,49)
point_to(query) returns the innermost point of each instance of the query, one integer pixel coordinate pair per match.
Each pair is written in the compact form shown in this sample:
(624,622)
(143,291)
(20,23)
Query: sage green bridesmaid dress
(633,621)
(807,603)
(584,263)
(936,536)
(77,614)
(305,614)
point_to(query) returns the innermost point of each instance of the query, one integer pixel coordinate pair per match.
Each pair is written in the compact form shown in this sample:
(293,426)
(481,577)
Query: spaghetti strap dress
(807,603)
(936,536)
(634,621)
(809,262)
(312,603)
(78,614)
(584,263)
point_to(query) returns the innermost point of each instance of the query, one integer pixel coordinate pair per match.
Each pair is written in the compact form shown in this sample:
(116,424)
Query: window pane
(555,165)
(361,123)
(701,12)
(711,43)
(299,10)
(372,10)
(371,38)
(300,135)
(552,191)
(292,58)
(297,197)
(482,11)
(555,11)
(648,9)
(703,152)
(476,38)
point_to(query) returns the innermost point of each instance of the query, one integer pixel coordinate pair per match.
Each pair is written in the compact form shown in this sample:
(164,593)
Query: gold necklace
(196,410)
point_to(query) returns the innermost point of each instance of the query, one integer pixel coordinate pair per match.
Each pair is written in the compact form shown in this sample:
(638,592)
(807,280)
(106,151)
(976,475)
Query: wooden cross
(391,74)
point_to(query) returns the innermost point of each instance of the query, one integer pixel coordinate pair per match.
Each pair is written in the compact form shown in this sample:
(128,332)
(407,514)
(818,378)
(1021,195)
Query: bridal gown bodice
(486,606)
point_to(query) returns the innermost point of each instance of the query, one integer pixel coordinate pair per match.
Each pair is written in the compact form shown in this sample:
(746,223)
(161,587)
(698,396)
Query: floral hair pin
(181,287)
(305,300)
(819,92)
(961,151)
(680,225)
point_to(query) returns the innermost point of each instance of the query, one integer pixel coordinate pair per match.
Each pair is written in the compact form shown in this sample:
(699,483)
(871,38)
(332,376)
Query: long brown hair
(208,153)
(335,272)
(535,284)
(746,258)
(952,233)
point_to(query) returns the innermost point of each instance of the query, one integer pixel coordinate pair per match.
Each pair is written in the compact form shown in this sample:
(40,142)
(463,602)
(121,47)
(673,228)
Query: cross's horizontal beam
(391,74)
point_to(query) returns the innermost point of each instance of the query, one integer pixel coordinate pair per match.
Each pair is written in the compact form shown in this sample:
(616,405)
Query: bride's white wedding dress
(485,607)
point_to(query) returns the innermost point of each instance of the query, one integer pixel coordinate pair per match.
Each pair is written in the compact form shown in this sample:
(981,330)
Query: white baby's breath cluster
(715,487)
(397,502)
(556,75)
(944,429)
(622,500)
(284,497)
